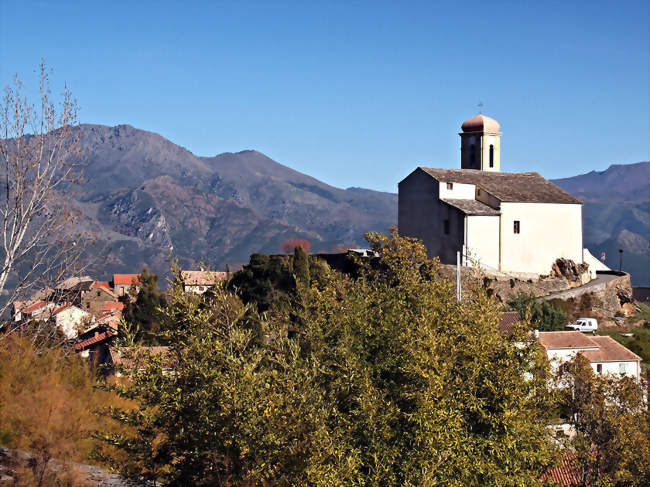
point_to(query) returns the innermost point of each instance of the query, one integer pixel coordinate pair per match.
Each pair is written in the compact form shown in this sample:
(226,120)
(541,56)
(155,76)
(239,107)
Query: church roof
(471,207)
(527,187)
(481,123)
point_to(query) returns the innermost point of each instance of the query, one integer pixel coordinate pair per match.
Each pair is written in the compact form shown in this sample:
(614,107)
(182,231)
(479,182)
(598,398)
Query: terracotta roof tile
(110,306)
(609,350)
(126,279)
(33,307)
(99,337)
(100,284)
(567,473)
(566,339)
(508,321)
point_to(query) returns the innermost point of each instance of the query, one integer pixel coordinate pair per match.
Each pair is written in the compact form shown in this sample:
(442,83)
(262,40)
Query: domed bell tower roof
(481,123)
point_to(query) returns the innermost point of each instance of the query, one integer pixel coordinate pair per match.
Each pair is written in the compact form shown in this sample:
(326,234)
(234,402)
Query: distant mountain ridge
(154,198)
(616,215)
(146,198)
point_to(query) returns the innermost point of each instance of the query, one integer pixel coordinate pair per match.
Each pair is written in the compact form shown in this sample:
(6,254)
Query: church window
(472,155)
(516,226)
(446,227)
(491,155)
(450,185)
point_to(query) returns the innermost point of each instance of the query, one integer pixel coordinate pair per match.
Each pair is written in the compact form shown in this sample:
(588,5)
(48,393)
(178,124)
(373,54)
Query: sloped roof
(99,337)
(471,207)
(567,473)
(113,306)
(203,278)
(480,123)
(508,321)
(71,282)
(126,279)
(566,339)
(527,187)
(609,350)
(100,284)
(33,307)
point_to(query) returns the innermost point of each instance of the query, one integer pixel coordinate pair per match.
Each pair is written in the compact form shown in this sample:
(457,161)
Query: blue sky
(353,93)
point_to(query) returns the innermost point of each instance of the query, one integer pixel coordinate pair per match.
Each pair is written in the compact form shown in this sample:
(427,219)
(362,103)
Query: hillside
(145,198)
(616,215)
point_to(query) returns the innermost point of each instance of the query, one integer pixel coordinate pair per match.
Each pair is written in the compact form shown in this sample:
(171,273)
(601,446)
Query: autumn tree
(39,162)
(50,407)
(389,380)
(612,424)
(289,245)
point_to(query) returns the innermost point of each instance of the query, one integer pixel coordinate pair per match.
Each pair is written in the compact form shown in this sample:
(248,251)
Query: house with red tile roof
(605,354)
(95,300)
(123,282)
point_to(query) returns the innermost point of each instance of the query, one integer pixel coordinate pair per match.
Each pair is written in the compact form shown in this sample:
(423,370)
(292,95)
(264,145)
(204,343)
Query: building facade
(507,222)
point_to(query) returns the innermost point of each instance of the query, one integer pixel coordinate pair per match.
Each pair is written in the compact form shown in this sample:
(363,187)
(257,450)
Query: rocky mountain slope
(146,198)
(616,215)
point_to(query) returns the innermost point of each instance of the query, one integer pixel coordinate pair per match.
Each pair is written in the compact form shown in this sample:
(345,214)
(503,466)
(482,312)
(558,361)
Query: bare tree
(40,164)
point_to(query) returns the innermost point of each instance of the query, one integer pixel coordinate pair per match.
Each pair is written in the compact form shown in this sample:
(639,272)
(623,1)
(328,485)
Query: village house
(200,281)
(605,354)
(71,320)
(122,283)
(507,222)
(95,300)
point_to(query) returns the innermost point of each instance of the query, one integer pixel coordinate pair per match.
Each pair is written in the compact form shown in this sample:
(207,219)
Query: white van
(584,324)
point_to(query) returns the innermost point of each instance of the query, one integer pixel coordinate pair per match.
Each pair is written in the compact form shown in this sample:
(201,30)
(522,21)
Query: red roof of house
(565,339)
(61,308)
(508,321)
(33,307)
(99,337)
(609,350)
(567,473)
(102,284)
(125,279)
(109,306)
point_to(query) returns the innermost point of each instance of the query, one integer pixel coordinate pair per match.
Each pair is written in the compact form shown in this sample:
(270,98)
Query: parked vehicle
(584,324)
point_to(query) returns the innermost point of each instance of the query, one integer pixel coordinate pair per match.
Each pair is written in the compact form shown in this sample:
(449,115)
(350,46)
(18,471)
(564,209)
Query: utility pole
(620,260)
(459,294)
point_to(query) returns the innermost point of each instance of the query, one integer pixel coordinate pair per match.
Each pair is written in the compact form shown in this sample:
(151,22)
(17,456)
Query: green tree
(612,422)
(141,311)
(389,381)
(544,315)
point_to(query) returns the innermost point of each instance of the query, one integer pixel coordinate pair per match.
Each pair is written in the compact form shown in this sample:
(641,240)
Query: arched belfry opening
(480,144)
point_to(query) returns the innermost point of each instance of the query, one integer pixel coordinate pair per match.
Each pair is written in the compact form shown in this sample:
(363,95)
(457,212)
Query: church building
(500,221)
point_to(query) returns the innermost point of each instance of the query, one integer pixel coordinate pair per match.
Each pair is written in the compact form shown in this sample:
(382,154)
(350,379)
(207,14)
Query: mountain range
(146,198)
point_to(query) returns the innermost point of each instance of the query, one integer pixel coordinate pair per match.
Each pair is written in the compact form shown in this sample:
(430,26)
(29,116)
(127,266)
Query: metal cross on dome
(480,107)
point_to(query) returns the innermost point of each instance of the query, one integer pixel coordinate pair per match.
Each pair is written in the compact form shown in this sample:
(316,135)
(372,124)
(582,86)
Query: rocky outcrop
(575,274)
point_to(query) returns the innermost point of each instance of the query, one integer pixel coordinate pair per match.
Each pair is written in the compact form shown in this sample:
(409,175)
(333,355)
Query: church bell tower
(480,144)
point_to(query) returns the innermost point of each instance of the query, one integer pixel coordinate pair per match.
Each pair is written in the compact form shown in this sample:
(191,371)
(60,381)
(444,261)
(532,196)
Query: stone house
(95,300)
(71,320)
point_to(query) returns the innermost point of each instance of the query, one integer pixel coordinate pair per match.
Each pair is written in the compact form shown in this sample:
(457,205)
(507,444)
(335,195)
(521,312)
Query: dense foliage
(141,309)
(612,423)
(385,380)
(544,315)
(48,407)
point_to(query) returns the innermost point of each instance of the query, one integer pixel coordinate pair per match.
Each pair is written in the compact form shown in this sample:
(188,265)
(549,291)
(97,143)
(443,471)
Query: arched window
(472,155)
(491,155)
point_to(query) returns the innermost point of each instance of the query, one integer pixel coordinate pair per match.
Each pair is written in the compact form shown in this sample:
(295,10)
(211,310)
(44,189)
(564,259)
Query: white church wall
(547,231)
(482,241)
(459,191)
